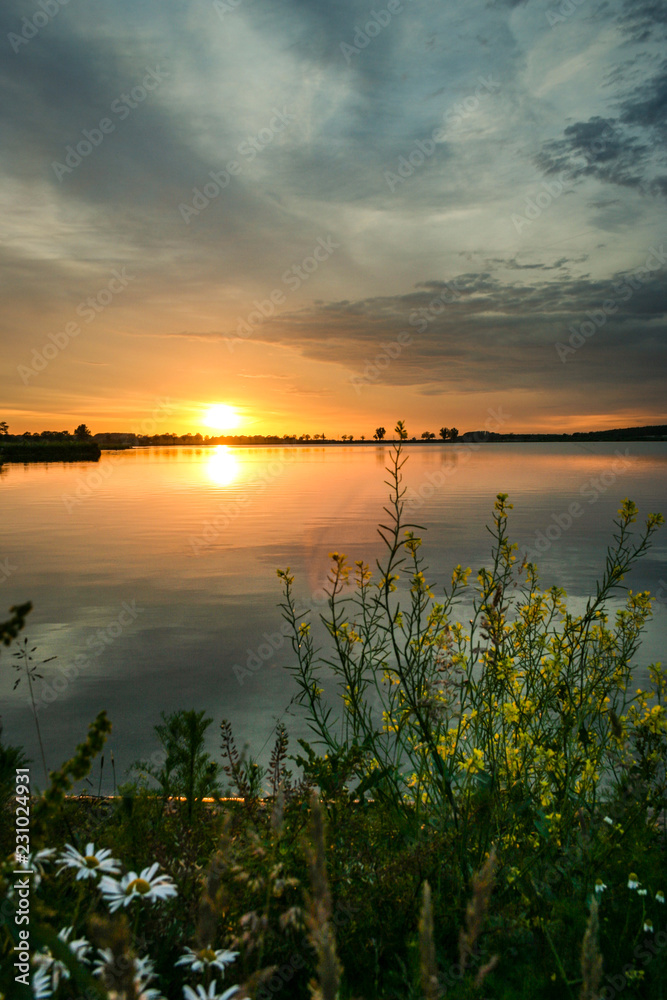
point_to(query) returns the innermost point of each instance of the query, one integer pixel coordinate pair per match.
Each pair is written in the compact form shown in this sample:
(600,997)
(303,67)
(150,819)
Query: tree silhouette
(379,433)
(454,433)
(428,436)
(444,432)
(4,427)
(82,432)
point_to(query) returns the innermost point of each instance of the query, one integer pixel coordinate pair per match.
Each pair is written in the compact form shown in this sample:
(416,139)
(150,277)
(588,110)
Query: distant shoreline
(519,439)
(50,451)
(14,449)
(646,434)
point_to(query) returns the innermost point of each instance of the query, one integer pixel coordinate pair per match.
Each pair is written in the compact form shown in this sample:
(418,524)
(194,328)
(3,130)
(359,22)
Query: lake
(153,572)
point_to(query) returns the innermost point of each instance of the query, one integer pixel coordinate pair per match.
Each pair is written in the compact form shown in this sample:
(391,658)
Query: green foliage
(11,758)
(11,628)
(517,731)
(186,768)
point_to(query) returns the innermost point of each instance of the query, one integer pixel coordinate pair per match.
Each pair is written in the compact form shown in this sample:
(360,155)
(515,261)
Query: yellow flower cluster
(420,586)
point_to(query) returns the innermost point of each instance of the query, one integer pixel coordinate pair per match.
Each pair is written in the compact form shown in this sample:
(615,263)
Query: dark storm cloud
(477,331)
(597,148)
(641,19)
(627,147)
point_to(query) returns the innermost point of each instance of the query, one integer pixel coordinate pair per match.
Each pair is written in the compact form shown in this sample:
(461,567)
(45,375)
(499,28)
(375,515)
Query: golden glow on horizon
(223,467)
(222,417)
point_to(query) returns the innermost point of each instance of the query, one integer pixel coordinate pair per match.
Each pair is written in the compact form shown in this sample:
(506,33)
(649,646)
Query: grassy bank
(50,451)
(480,812)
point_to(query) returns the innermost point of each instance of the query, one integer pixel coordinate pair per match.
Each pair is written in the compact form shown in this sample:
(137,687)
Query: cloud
(586,98)
(476,331)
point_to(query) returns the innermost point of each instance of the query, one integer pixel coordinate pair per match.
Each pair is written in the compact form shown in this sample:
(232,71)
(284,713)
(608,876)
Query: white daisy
(632,881)
(201,994)
(599,885)
(133,886)
(49,973)
(207,958)
(608,820)
(36,859)
(34,863)
(104,961)
(660,896)
(642,892)
(79,947)
(648,926)
(143,967)
(143,973)
(42,986)
(144,994)
(91,864)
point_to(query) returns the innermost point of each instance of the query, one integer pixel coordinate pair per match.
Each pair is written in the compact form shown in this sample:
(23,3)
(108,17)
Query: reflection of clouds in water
(223,467)
(327,523)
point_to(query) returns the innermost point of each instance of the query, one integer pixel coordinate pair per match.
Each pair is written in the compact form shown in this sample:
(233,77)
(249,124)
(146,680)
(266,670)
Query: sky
(332,215)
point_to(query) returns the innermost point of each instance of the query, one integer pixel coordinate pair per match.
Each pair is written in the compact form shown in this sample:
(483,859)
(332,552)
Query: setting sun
(222,417)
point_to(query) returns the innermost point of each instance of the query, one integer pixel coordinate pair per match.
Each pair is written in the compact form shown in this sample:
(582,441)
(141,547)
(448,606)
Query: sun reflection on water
(223,467)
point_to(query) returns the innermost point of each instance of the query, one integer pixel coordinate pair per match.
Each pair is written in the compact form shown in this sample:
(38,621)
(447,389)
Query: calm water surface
(153,572)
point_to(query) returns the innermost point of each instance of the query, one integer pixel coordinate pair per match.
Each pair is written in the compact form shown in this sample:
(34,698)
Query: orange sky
(242,210)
